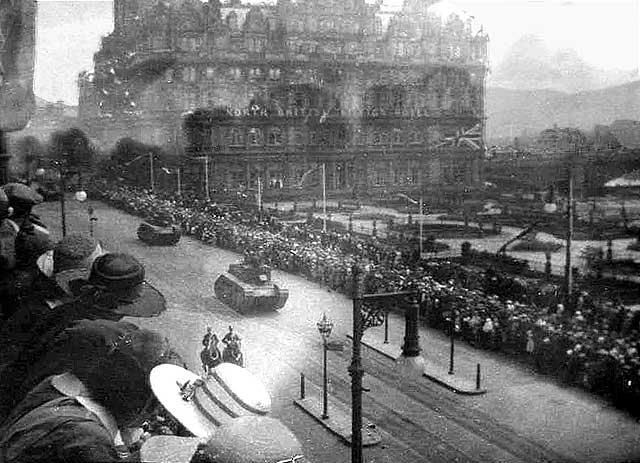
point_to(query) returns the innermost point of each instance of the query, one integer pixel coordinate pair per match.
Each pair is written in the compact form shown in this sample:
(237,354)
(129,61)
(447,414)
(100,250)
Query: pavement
(338,419)
(432,370)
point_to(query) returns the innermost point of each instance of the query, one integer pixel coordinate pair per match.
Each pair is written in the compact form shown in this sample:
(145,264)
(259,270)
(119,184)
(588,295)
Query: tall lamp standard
(324,328)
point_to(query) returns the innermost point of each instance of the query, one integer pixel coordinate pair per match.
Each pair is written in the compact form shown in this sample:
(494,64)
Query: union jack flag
(471,138)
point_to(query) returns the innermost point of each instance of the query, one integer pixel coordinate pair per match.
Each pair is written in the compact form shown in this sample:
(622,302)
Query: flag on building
(470,138)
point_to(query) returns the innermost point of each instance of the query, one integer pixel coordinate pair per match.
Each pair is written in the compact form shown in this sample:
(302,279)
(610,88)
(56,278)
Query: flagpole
(421,223)
(151,179)
(206,176)
(179,184)
(324,201)
(259,195)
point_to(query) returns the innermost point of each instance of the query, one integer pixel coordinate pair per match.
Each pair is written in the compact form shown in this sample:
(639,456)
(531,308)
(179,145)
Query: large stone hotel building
(385,100)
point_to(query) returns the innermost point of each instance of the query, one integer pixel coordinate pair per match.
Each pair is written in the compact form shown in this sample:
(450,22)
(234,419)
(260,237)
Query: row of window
(193,74)
(378,95)
(336,136)
(452,50)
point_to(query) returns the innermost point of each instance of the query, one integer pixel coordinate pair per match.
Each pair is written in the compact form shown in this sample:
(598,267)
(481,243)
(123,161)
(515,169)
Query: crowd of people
(75,379)
(593,344)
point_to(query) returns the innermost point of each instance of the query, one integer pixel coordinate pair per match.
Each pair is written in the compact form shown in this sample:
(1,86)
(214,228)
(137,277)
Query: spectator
(117,285)
(71,259)
(30,240)
(82,413)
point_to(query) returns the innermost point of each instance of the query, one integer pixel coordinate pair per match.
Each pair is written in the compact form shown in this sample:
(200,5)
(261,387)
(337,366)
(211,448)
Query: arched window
(397,136)
(236,137)
(255,137)
(275,136)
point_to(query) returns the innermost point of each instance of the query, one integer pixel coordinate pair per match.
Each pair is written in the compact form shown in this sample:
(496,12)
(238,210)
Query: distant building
(627,132)
(47,118)
(560,140)
(384,100)
(604,138)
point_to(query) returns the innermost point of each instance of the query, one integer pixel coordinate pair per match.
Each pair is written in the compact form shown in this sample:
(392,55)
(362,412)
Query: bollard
(452,349)
(478,376)
(386,328)
(302,385)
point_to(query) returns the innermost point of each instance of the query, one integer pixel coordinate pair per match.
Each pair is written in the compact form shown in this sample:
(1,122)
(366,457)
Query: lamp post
(550,208)
(63,187)
(81,197)
(369,311)
(453,337)
(324,328)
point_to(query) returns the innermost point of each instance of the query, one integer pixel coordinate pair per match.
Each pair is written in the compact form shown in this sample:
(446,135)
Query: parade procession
(272,232)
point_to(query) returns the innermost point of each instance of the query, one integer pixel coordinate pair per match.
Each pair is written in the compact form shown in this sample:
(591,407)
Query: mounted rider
(231,338)
(210,354)
(209,338)
(231,352)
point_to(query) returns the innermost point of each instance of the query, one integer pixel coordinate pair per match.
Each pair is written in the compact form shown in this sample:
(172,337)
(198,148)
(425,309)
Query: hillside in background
(530,64)
(512,112)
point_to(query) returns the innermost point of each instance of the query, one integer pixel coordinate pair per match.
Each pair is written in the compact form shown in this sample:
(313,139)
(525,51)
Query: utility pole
(421,222)
(206,177)
(63,188)
(151,179)
(259,198)
(356,371)
(324,200)
(568,272)
(370,310)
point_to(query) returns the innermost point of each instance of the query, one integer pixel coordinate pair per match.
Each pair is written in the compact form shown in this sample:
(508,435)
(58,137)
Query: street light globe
(324,327)
(40,172)
(550,208)
(81,196)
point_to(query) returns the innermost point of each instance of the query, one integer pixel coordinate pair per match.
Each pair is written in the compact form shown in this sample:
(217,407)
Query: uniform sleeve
(86,442)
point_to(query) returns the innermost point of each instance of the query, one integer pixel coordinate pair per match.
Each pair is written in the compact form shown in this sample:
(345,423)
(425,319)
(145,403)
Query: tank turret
(247,287)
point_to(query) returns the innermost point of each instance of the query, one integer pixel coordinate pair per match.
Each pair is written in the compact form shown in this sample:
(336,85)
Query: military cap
(21,197)
(122,276)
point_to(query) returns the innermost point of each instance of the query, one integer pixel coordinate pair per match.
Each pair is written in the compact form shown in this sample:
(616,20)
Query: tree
(73,150)
(130,159)
(29,150)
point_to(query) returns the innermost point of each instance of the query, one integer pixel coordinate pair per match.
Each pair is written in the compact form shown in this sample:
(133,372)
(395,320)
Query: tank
(247,287)
(157,235)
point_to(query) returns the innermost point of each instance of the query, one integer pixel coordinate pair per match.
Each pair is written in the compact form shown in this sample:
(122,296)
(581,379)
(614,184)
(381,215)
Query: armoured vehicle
(247,287)
(156,235)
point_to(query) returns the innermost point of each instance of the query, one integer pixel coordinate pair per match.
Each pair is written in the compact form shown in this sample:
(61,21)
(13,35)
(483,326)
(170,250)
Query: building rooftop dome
(447,9)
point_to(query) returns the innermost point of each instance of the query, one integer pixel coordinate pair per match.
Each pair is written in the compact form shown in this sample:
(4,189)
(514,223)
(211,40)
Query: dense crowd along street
(595,345)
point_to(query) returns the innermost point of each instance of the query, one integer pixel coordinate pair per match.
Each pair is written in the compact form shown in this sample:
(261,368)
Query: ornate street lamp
(324,328)
(81,197)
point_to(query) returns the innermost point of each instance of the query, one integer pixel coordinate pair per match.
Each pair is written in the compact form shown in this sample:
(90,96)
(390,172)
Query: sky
(605,33)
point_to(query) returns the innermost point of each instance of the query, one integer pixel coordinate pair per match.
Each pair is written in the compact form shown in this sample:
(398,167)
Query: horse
(210,357)
(232,354)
